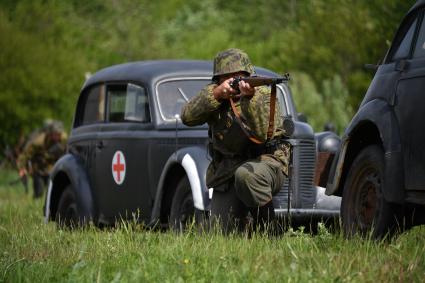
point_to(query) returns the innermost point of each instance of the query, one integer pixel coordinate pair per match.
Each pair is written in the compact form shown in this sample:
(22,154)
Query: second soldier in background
(40,153)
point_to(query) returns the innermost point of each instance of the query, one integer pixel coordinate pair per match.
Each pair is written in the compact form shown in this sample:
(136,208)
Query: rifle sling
(245,128)
(272,109)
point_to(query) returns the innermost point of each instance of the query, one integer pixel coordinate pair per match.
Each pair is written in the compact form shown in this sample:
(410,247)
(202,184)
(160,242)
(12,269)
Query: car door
(409,108)
(171,95)
(121,179)
(89,118)
(385,80)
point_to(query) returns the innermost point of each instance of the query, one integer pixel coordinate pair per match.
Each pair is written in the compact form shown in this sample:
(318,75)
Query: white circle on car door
(118,167)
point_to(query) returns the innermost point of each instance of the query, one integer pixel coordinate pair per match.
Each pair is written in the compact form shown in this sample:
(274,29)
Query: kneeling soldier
(245,171)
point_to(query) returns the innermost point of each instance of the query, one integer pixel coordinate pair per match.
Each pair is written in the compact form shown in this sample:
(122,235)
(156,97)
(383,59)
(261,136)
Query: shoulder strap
(243,126)
(246,129)
(272,110)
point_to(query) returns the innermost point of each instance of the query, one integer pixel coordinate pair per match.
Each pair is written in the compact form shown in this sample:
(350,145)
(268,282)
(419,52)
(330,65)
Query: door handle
(100,144)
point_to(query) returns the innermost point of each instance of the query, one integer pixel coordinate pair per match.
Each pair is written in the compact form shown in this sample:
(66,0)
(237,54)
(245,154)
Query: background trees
(48,47)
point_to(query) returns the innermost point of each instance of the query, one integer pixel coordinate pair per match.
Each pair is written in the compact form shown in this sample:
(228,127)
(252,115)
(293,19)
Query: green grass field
(31,251)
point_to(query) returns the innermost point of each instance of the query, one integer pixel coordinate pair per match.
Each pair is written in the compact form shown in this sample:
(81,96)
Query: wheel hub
(186,210)
(368,204)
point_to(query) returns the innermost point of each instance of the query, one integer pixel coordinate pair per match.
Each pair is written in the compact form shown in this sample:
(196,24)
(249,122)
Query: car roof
(154,70)
(416,5)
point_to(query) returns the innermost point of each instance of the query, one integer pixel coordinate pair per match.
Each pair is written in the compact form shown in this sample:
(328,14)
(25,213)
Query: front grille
(300,182)
(281,199)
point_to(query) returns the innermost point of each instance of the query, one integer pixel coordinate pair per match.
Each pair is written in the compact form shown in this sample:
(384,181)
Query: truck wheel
(182,209)
(364,209)
(67,214)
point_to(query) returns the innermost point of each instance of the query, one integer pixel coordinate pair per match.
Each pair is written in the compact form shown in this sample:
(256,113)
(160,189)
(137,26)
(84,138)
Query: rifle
(255,81)
(23,180)
(10,156)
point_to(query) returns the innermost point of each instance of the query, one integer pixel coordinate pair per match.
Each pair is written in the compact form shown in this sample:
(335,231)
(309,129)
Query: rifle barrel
(255,81)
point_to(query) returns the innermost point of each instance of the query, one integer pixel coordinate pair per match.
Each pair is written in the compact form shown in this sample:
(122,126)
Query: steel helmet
(53,126)
(231,61)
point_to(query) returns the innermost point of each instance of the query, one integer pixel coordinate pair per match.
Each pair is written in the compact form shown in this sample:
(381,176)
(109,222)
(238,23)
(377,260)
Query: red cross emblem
(118,167)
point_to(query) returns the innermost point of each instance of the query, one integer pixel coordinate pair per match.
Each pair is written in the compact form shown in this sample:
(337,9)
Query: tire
(183,213)
(67,214)
(364,210)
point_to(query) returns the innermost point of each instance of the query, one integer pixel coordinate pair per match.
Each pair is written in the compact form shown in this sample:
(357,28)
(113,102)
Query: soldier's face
(222,78)
(55,137)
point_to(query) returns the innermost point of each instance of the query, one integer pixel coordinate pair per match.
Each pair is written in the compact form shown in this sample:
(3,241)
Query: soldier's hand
(224,90)
(22,172)
(246,89)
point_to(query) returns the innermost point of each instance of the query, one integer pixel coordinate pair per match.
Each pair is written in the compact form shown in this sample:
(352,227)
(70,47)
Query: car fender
(72,167)
(382,116)
(195,161)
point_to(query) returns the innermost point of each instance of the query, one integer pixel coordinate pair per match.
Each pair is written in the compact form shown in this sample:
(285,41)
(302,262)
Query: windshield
(173,94)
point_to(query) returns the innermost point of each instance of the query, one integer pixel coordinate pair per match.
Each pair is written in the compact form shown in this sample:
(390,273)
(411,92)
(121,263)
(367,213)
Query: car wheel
(182,212)
(364,209)
(67,214)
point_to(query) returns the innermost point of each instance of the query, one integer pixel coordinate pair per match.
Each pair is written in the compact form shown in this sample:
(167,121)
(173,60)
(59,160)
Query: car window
(128,103)
(93,106)
(420,43)
(284,98)
(173,94)
(403,49)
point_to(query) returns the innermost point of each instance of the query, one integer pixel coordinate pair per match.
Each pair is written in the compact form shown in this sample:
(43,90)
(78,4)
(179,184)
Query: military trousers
(39,183)
(252,187)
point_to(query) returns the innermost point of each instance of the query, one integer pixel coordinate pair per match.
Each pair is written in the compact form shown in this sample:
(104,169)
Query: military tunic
(41,153)
(38,157)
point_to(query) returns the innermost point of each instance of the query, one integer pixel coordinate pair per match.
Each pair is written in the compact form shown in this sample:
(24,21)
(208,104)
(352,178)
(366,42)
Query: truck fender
(73,168)
(381,115)
(194,161)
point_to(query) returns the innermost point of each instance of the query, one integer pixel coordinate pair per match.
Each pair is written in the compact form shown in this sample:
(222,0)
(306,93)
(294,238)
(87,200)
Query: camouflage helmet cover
(53,126)
(231,61)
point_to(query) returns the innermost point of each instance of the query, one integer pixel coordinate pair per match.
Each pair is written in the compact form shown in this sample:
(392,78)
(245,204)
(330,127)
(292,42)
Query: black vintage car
(380,168)
(129,155)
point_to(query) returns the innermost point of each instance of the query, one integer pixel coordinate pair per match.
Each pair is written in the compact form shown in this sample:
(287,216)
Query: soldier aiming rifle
(250,159)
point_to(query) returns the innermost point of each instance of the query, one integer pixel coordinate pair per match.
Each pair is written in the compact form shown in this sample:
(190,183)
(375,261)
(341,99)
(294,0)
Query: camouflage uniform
(243,177)
(41,152)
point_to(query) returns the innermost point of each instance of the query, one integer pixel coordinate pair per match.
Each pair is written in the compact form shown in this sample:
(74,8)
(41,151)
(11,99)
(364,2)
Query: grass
(31,251)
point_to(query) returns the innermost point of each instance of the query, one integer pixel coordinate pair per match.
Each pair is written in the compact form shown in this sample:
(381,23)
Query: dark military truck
(129,155)
(380,167)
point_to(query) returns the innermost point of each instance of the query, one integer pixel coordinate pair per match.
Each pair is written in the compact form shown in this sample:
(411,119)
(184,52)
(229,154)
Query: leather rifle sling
(272,110)
(242,124)
(270,129)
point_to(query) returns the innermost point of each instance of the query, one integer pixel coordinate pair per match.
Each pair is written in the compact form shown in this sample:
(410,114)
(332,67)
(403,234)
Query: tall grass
(31,251)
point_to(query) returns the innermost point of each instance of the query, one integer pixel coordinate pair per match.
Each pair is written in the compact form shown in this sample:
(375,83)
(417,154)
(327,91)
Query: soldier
(247,166)
(40,153)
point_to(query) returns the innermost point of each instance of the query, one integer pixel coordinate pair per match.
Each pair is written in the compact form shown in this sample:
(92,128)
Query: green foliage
(196,32)
(332,98)
(32,251)
(48,46)
(39,79)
